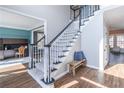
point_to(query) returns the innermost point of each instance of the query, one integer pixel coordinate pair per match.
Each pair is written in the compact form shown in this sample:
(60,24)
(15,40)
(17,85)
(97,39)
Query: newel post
(46,55)
(47,66)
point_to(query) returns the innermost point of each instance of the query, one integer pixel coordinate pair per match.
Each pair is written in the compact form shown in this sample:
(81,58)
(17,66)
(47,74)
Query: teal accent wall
(15,33)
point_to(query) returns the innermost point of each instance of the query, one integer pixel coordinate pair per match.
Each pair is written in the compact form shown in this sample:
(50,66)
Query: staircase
(56,52)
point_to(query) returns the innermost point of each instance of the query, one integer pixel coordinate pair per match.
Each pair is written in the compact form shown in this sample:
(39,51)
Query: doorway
(116,43)
(38,33)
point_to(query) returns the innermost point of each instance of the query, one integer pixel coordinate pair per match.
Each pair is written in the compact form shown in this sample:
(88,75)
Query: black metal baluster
(31,49)
(80,17)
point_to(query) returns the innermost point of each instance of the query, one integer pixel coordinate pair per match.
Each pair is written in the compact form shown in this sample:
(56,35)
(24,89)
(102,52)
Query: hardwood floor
(16,77)
(112,77)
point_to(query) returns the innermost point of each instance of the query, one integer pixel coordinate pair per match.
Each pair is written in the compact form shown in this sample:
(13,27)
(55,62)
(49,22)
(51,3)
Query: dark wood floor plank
(17,77)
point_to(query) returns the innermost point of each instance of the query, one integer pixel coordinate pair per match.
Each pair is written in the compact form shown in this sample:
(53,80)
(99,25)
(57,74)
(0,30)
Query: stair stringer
(63,67)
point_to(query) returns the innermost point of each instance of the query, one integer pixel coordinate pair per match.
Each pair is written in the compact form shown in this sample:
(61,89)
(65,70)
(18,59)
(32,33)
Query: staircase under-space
(47,61)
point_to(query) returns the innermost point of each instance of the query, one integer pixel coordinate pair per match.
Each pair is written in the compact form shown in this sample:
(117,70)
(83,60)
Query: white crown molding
(12,27)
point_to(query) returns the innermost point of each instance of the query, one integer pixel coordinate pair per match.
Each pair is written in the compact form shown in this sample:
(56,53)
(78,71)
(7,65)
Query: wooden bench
(73,65)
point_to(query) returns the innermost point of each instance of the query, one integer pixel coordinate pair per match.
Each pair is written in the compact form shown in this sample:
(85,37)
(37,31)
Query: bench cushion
(78,56)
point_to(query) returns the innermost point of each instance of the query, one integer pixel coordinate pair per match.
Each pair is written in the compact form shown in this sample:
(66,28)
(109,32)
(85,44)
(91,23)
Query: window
(120,41)
(111,43)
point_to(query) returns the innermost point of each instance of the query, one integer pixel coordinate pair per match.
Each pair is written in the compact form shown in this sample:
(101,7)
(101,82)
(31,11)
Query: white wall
(92,41)
(56,16)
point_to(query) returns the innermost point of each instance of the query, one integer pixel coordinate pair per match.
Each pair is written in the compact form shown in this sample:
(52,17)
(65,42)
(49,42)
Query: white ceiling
(15,20)
(115,18)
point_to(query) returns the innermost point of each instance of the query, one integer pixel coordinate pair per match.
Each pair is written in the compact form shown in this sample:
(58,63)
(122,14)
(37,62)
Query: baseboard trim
(94,67)
(61,75)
